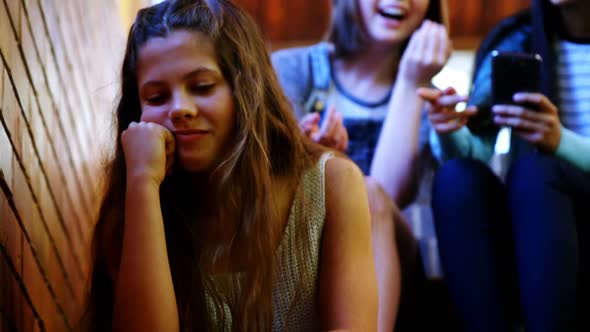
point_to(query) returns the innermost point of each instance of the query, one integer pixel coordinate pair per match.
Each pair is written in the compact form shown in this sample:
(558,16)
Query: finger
(429,94)
(418,39)
(470,111)
(328,122)
(169,164)
(451,100)
(529,136)
(519,123)
(333,133)
(410,49)
(449,91)
(430,43)
(444,128)
(543,103)
(344,140)
(444,51)
(521,112)
(443,117)
(309,119)
(309,123)
(338,140)
(439,38)
(312,118)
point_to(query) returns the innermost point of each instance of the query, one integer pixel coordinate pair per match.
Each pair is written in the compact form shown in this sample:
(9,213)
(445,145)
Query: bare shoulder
(348,290)
(341,171)
(346,196)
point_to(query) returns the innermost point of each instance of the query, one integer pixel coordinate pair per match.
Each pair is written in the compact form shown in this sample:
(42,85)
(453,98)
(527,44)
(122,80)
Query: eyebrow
(197,71)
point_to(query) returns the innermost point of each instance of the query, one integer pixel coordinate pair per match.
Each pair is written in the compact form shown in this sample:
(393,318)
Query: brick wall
(58,80)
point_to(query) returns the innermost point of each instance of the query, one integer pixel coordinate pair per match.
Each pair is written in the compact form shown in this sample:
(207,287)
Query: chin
(194,164)
(390,37)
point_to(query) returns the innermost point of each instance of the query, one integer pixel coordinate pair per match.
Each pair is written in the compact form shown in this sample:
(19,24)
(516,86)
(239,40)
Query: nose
(182,107)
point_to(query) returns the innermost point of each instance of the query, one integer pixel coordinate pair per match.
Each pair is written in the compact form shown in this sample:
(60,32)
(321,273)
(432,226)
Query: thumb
(308,122)
(429,94)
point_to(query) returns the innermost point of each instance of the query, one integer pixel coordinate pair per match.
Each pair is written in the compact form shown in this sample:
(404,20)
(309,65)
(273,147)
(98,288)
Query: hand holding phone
(513,73)
(518,102)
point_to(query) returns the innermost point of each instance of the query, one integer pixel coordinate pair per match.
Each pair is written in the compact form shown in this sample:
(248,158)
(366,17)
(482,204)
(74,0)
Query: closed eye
(202,89)
(158,99)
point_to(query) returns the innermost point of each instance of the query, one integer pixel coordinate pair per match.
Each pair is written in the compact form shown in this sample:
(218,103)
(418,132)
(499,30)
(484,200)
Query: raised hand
(332,133)
(536,119)
(440,107)
(427,52)
(149,151)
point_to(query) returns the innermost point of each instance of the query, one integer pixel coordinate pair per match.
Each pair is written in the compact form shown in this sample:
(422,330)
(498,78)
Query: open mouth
(392,13)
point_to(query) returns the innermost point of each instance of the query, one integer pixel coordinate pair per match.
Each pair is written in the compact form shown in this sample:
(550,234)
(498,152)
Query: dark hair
(546,23)
(268,144)
(347,31)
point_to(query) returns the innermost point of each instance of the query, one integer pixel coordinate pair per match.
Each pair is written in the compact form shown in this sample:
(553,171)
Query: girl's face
(392,21)
(182,88)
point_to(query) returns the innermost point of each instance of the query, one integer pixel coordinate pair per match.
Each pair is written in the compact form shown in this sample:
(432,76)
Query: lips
(191,132)
(190,135)
(393,13)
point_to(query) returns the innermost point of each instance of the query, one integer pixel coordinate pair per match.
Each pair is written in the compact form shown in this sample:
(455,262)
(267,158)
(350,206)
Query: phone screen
(512,73)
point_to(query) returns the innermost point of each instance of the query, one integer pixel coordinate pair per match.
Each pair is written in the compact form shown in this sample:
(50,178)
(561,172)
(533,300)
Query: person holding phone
(356,93)
(516,252)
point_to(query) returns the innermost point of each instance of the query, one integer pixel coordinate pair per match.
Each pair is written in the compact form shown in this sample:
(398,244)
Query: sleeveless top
(294,300)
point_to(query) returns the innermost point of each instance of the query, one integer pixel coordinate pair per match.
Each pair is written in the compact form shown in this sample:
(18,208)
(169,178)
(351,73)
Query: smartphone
(512,73)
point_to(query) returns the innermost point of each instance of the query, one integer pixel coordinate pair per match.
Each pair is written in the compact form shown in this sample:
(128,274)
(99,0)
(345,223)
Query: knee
(460,178)
(531,179)
(532,169)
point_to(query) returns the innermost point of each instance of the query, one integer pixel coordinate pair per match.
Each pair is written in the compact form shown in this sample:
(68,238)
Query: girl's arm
(575,149)
(397,149)
(144,294)
(348,282)
(393,165)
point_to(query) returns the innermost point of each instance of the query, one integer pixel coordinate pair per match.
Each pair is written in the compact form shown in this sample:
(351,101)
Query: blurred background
(58,82)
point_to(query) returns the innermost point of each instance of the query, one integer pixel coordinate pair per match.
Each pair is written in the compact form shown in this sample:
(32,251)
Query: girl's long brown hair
(267,145)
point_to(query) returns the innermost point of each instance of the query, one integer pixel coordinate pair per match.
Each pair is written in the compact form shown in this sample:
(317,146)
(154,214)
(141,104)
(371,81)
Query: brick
(29,160)
(36,21)
(45,304)
(6,156)
(16,71)
(14,12)
(1,81)
(22,194)
(12,241)
(31,59)
(6,33)
(31,275)
(11,302)
(12,117)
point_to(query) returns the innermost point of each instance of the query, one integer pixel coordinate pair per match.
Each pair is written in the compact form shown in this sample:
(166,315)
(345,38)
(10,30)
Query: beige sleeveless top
(295,292)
